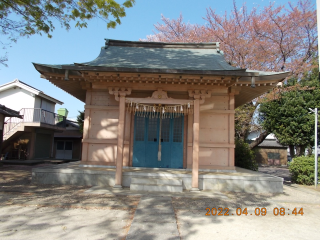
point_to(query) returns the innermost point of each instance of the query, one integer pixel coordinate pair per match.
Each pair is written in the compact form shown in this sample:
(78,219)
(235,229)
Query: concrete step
(155,181)
(155,187)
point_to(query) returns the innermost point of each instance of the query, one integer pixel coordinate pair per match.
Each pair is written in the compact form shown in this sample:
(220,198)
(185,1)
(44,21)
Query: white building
(17,95)
(32,136)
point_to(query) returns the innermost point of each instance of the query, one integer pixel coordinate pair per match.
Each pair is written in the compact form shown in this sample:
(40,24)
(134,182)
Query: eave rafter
(147,78)
(160,79)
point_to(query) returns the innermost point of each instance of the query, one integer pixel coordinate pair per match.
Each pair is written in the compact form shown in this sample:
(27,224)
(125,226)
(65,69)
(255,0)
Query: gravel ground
(277,171)
(29,211)
(285,174)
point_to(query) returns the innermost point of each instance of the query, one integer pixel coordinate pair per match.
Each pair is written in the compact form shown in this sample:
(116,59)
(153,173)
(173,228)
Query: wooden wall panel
(102,153)
(214,128)
(215,103)
(103,98)
(213,156)
(104,124)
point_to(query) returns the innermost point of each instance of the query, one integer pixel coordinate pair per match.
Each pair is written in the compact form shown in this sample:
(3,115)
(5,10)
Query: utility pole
(315,111)
(318,20)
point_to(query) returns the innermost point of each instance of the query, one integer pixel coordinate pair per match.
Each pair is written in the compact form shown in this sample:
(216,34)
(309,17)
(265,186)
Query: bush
(244,156)
(302,170)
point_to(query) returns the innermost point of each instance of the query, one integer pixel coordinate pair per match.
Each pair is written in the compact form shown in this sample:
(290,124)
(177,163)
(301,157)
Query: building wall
(216,130)
(216,147)
(262,155)
(47,105)
(17,98)
(37,102)
(101,120)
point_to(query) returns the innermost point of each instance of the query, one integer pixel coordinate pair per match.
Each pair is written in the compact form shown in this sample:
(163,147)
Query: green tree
(80,120)
(244,156)
(29,17)
(287,116)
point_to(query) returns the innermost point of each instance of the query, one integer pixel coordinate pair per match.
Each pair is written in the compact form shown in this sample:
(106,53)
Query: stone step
(155,181)
(155,187)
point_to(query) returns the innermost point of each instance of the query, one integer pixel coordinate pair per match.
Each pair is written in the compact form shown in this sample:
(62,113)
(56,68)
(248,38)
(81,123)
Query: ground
(68,212)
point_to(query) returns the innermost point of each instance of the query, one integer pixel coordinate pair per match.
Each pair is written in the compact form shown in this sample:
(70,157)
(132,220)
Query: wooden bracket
(202,94)
(117,92)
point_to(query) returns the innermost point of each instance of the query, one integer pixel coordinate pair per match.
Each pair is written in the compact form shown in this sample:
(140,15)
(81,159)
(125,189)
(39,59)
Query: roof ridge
(125,43)
(31,88)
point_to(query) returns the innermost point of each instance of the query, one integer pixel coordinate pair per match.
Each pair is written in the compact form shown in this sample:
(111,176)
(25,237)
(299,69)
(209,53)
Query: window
(140,122)
(177,129)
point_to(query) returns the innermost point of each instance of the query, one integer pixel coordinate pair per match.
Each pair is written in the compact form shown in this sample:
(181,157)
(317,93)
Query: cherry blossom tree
(274,38)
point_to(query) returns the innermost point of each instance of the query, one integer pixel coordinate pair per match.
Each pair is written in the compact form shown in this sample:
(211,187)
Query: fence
(34,115)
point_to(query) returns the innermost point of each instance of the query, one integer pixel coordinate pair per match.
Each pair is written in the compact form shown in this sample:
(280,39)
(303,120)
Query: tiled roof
(271,143)
(8,112)
(189,60)
(188,56)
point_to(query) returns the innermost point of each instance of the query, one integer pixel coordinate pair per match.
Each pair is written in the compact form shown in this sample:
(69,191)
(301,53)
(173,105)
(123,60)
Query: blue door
(146,142)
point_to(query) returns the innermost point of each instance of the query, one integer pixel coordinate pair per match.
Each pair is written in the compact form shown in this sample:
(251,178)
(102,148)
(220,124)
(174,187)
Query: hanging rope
(159,111)
(159,146)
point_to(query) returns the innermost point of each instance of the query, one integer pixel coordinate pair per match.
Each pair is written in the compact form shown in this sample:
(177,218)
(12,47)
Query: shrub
(244,156)
(302,170)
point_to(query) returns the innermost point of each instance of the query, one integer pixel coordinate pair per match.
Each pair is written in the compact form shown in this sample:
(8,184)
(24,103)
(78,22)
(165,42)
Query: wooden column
(120,94)
(32,144)
(231,130)
(119,163)
(86,128)
(195,152)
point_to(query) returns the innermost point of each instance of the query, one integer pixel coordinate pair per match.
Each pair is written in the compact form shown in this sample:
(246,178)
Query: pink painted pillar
(119,163)
(231,130)
(86,129)
(195,152)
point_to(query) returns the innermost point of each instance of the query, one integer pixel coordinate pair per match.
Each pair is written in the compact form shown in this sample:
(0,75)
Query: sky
(67,47)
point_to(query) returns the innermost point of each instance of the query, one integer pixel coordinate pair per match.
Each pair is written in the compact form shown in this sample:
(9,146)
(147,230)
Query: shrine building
(160,105)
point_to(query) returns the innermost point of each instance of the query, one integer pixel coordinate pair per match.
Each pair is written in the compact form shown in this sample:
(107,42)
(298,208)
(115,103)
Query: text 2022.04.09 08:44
(257,212)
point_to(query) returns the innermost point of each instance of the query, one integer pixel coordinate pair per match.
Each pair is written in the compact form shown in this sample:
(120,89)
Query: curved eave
(263,84)
(73,88)
(270,78)
(79,67)
(246,93)
(54,69)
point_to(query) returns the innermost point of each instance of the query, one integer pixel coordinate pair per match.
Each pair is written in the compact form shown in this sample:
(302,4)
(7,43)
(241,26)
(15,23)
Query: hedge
(302,170)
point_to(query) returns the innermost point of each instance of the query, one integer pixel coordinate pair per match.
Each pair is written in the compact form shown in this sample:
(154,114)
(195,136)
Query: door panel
(68,150)
(60,150)
(43,145)
(64,150)
(146,142)
(139,142)
(166,130)
(151,154)
(177,143)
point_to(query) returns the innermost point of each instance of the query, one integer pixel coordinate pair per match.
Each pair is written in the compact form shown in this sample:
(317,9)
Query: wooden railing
(34,115)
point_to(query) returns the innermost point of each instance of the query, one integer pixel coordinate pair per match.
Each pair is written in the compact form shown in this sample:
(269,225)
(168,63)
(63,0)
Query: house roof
(271,144)
(8,112)
(185,59)
(72,123)
(70,133)
(18,83)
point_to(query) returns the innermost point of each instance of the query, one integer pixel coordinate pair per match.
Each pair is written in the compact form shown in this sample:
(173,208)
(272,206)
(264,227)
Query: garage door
(43,145)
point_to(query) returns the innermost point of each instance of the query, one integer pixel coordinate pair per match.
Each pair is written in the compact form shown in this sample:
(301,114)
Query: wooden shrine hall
(156,105)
